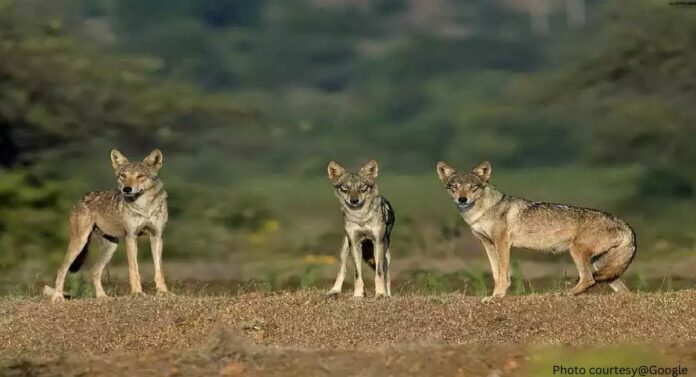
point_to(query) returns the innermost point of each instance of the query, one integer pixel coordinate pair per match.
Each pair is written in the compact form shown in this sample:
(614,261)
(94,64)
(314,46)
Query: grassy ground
(251,272)
(303,333)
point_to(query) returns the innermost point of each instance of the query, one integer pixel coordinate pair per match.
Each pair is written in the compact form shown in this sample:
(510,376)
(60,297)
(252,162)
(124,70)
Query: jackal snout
(134,177)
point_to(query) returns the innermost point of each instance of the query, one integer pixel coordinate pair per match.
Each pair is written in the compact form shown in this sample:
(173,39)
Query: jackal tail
(80,259)
(368,253)
(610,265)
(49,291)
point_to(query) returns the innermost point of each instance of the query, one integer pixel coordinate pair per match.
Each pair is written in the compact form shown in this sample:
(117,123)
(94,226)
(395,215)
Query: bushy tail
(610,265)
(80,259)
(368,253)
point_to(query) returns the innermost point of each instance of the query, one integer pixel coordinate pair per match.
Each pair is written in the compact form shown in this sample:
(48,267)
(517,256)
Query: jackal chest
(141,222)
(371,230)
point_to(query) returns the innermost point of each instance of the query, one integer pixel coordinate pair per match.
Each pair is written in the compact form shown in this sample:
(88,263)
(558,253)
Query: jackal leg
(502,245)
(133,272)
(501,277)
(356,250)
(380,285)
(80,228)
(345,250)
(582,258)
(156,247)
(106,250)
(387,269)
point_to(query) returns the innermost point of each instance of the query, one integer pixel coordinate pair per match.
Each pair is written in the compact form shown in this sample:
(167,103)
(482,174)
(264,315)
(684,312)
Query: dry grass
(303,333)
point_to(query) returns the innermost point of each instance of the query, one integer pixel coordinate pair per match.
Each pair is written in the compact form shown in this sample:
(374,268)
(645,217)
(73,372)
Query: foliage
(31,221)
(249,99)
(629,84)
(55,92)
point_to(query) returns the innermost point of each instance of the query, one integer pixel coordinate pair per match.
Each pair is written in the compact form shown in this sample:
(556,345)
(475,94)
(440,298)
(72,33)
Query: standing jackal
(601,245)
(138,207)
(368,222)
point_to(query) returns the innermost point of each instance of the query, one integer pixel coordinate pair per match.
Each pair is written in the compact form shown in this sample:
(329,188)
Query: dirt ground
(303,333)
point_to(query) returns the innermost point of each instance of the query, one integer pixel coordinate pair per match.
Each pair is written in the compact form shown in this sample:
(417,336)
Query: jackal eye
(343,188)
(141,176)
(363,188)
(122,176)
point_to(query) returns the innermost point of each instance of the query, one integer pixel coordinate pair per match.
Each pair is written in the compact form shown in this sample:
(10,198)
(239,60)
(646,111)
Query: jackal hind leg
(582,256)
(80,229)
(106,251)
(619,287)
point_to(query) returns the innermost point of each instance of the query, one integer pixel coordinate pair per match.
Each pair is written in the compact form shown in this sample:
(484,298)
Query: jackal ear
(370,169)
(444,171)
(154,159)
(483,171)
(117,158)
(335,171)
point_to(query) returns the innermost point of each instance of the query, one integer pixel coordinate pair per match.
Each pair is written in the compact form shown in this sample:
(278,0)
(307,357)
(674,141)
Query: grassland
(250,273)
(303,333)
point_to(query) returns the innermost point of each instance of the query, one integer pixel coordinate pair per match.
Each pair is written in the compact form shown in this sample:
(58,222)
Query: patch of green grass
(517,282)
(548,360)
(308,278)
(428,283)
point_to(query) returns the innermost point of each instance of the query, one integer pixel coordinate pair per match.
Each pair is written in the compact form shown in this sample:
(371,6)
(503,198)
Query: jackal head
(354,189)
(136,177)
(466,188)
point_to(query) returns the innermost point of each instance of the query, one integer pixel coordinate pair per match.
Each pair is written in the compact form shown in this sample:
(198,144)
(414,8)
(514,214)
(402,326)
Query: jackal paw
(573,292)
(102,296)
(57,297)
(381,295)
(358,296)
(491,299)
(163,293)
(332,295)
(139,294)
(580,288)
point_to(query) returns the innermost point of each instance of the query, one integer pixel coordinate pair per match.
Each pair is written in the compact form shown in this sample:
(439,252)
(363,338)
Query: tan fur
(601,245)
(368,218)
(111,215)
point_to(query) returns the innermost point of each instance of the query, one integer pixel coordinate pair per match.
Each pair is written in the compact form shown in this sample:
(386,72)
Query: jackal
(138,207)
(368,223)
(601,245)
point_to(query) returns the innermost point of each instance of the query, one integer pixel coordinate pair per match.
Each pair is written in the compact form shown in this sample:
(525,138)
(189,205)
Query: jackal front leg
(356,250)
(156,246)
(499,258)
(380,281)
(345,250)
(133,272)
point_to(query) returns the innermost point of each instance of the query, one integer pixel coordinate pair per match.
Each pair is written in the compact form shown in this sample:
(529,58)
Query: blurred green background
(584,102)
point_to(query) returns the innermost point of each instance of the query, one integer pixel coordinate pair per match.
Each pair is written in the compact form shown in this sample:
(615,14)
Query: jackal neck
(149,201)
(364,214)
(488,200)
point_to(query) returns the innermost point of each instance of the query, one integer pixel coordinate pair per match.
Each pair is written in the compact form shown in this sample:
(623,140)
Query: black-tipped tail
(368,253)
(80,259)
